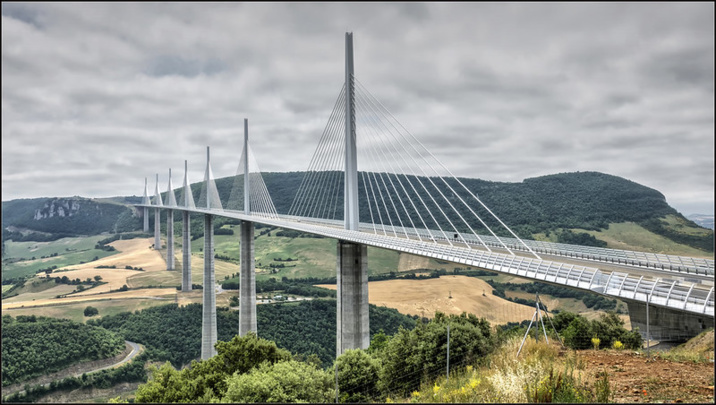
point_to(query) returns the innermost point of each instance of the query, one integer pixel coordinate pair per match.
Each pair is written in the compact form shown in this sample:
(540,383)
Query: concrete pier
(247,293)
(186,252)
(665,324)
(170,239)
(157,227)
(353,330)
(209,334)
(145,215)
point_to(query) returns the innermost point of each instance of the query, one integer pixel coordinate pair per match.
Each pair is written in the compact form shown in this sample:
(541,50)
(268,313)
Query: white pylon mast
(350,205)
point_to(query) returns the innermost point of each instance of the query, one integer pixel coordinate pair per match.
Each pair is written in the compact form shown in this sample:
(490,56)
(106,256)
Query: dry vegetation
(447,294)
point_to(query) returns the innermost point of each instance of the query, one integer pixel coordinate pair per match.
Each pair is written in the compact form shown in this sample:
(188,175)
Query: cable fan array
(260,202)
(404,190)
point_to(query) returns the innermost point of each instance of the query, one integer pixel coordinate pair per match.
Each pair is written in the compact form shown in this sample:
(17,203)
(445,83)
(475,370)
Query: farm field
(68,251)
(448,294)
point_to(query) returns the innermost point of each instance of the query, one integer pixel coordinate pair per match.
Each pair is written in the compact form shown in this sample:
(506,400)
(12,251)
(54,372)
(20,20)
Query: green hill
(45,219)
(558,207)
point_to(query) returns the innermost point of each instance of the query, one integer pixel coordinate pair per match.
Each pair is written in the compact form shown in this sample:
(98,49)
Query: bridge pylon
(247,284)
(209,334)
(352,324)
(157,216)
(188,202)
(145,210)
(172,202)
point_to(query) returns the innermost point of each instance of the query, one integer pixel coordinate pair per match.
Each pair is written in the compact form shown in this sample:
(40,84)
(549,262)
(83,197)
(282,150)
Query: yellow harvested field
(160,293)
(424,297)
(132,252)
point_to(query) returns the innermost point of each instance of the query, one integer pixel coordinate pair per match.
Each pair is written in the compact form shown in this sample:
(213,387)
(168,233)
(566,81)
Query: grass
(39,289)
(679,225)
(6,287)
(538,375)
(699,349)
(70,251)
(27,250)
(75,311)
(631,236)
(314,257)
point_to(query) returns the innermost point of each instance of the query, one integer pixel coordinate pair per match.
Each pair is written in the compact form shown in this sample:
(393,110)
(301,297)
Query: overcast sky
(96,97)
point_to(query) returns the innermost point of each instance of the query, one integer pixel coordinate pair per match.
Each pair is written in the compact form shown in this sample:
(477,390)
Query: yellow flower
(388,400)
(415,394)
(436,389)
(469,369)
(474,383)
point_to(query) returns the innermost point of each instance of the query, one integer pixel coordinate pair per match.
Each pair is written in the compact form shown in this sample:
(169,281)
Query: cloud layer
(95,97)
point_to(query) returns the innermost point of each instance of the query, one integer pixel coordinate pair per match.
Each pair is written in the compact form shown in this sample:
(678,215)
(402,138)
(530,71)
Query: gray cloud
(98,96)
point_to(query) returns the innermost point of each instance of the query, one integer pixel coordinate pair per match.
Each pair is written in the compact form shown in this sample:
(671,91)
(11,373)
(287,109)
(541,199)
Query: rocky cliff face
(60,207)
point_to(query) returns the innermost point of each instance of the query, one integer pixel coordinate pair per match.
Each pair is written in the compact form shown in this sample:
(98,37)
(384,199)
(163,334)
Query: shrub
(91,311)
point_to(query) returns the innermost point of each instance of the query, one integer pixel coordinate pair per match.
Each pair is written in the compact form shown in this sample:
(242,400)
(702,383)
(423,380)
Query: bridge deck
(693,297)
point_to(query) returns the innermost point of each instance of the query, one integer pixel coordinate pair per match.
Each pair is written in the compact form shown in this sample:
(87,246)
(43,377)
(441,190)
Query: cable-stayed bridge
(371,182)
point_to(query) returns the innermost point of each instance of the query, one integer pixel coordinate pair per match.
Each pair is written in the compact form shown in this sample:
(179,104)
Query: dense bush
(33,346)
(306,327)
(411,356)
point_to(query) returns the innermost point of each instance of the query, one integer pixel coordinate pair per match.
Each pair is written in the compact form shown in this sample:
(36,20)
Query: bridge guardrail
(670,294)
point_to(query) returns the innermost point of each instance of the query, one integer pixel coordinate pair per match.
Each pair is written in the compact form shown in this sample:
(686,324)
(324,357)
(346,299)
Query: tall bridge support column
(170,239)
(185,252)
(247,292)
(157,227)
(209,334)
(353,330)
(145,215)
(665,324)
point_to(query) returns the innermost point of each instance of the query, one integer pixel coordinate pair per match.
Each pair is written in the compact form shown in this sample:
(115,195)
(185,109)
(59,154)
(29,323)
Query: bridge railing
(682,264)
(672,294)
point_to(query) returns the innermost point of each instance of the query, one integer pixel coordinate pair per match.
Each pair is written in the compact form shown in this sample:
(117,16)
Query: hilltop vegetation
(33,346)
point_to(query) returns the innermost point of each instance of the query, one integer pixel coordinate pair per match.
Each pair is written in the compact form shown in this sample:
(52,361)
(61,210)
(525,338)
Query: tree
(287,381)
(423,350)
(91,311)
(97,278)
(207,379)
(357,376)
(578,335)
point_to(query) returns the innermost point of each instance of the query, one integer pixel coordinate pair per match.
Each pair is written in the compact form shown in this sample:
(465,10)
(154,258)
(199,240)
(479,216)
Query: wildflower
(436,389)
(469,369)
(474,383)
(388,400)
(644,391)
(415,394)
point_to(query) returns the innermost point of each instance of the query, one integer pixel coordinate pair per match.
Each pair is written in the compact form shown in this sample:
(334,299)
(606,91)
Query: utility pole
(447,372)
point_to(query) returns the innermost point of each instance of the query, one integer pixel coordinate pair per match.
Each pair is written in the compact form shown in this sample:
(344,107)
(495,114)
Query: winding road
(136,350)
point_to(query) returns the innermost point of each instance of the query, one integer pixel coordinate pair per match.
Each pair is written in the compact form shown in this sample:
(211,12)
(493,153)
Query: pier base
(209,334)
(247,285)
(353,330)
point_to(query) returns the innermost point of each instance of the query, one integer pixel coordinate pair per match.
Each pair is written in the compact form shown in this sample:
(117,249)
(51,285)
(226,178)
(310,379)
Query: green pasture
(70,251)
